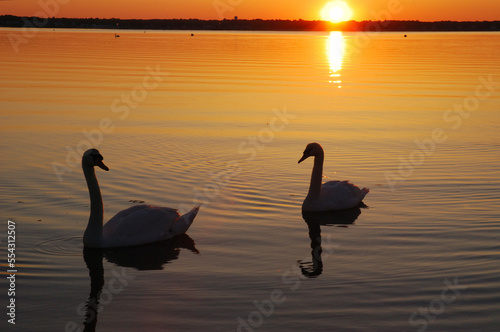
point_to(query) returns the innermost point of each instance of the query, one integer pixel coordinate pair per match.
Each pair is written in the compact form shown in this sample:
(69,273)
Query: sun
(336,11)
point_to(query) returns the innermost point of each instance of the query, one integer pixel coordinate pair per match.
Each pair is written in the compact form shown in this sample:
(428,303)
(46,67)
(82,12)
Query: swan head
(312,149)
(92,157)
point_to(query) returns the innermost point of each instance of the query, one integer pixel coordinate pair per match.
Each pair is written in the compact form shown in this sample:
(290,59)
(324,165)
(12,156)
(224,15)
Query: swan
(331,195)
(139,224)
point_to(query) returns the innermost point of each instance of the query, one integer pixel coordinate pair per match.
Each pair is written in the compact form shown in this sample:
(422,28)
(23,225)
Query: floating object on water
(331,195)
(139,224)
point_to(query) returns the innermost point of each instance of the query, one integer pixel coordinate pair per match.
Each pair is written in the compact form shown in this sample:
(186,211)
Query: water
(221,119)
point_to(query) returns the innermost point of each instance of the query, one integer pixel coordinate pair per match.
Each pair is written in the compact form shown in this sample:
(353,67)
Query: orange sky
(423,10)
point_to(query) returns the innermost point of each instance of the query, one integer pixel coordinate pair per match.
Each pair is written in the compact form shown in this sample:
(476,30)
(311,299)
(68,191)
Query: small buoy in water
(192,34)
(405,36)
(116,36)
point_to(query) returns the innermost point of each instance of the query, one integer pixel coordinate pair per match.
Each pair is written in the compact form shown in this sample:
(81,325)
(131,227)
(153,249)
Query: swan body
(139,224)
(331,195)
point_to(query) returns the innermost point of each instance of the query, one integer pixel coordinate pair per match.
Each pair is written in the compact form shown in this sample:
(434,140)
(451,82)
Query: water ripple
(61,246)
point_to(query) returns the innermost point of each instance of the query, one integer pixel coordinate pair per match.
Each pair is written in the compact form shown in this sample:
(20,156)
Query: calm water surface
(220,119)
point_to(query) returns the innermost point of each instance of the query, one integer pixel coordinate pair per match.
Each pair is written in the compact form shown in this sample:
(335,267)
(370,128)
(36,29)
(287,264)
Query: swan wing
(338,195)
(330,183)
(140,224)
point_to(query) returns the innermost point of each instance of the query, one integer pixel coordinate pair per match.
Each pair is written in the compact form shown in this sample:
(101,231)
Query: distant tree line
(249,25)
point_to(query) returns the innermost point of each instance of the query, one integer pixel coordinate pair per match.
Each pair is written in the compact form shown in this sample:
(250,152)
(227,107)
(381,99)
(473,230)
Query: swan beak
(304,157)
(101,165)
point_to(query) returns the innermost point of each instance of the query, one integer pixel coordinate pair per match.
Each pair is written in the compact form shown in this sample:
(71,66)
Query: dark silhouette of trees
(248,25)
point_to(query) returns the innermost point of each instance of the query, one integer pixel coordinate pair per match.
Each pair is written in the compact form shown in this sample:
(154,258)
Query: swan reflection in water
(338,218)
(145,257)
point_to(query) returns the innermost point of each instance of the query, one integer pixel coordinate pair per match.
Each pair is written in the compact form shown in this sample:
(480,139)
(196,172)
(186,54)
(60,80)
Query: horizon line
(236,18)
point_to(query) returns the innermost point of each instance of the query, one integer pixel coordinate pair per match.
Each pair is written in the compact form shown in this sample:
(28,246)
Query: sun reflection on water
(335,52)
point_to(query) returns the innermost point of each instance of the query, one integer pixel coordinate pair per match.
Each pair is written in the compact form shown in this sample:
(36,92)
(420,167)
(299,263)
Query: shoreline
(9,21)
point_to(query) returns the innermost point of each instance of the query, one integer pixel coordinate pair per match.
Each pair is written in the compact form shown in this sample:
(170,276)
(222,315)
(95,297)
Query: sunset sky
(423,10)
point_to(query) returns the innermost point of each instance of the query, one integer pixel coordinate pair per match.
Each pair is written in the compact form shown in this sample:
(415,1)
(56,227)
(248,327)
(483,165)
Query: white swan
(332,195)
(139,224)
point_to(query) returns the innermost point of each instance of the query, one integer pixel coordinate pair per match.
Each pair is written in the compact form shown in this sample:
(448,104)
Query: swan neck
(316,177)
(93,234)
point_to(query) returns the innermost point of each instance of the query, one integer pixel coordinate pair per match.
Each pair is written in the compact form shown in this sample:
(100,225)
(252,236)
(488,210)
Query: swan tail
(186,220)
(364,191)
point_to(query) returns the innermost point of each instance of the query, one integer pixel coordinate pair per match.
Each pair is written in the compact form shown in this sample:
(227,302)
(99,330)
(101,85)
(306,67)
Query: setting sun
(336,11)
